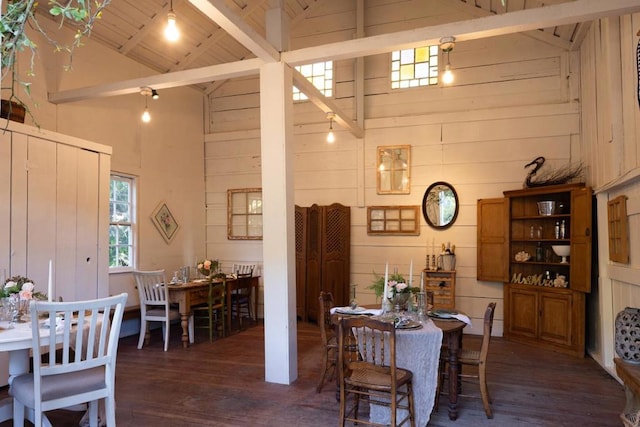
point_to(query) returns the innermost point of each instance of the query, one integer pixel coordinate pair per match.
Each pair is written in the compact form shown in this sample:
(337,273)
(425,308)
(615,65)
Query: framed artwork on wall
(165,222)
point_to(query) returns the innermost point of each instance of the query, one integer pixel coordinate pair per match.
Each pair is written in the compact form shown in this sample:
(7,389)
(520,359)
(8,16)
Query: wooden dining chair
(476,359)
(241,297)
(154,305)
(212,315)
(85,373)
(372,375)
(328,338)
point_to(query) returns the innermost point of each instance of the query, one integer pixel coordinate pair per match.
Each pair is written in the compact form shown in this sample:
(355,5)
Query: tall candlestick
(386,280)
(422,281)
(411,273)
(50,283)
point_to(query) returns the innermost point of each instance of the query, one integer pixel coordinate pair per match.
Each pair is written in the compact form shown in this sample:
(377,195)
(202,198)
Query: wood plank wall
(511,102)
(611,143)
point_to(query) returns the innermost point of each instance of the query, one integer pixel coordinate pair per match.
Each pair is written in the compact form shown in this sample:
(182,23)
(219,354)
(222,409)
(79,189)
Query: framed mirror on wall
(440,205)
(393,169)
(244,214)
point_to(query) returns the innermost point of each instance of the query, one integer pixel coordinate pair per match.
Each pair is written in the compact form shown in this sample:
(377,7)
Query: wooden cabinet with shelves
(443,285)
(540,307)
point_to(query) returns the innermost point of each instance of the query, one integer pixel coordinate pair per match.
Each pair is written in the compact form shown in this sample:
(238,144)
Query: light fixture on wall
(154,94)
(330,136)
(171,31)
(446,45)
(146,92)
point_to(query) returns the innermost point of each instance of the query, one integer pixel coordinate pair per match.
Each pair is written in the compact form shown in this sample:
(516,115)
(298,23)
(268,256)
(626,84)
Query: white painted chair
(245,270)
(86,372)
(154,305)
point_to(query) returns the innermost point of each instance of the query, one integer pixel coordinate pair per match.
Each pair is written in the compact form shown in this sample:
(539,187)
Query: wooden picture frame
(165,222)
(393,220)
(244,214)
(618,230)
(393,169)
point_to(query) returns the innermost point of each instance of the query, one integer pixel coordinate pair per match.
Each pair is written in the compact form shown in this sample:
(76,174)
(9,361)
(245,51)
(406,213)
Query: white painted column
(276,123)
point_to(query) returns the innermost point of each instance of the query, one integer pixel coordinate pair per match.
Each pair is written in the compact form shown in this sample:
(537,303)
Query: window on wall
(121,223)
(414,67)
(320,74)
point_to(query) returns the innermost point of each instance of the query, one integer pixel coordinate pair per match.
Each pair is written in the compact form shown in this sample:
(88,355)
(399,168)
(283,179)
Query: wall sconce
(146,91)
(330,136)
(171,31)
(447,44)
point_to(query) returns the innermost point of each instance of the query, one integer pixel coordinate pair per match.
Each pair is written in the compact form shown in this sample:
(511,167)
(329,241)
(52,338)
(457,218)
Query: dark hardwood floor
(222,384)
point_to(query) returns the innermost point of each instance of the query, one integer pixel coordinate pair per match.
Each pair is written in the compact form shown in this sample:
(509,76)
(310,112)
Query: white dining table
(17,342)
(417,350)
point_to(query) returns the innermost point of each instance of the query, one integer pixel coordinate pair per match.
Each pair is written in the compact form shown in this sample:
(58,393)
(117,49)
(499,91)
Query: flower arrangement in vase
(210,269)
(16,294)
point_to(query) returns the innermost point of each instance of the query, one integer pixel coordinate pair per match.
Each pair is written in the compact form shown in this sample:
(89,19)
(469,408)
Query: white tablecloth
(417,350)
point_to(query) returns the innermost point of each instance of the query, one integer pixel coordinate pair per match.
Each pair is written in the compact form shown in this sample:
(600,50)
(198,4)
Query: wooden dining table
(196,292)
(452,337)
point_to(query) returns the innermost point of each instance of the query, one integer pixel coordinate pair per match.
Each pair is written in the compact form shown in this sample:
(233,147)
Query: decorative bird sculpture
(534,179)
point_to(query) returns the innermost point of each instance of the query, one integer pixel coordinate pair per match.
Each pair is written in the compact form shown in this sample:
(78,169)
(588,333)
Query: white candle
(422,281)
(386,280)
(411,273)
(50,284)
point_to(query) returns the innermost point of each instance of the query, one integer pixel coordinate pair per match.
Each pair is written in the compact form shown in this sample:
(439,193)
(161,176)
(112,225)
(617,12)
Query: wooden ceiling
(236,44)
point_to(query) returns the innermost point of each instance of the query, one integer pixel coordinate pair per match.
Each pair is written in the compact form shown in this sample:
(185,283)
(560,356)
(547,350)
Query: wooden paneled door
(336,244)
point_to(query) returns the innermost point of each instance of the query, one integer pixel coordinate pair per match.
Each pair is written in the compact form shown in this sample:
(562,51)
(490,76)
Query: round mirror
(440,205)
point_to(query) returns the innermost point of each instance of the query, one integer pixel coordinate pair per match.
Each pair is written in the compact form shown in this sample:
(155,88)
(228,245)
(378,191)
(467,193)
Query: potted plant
(16,18)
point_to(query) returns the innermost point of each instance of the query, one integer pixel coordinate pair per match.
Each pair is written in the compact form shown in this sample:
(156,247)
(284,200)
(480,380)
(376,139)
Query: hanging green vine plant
(22,15)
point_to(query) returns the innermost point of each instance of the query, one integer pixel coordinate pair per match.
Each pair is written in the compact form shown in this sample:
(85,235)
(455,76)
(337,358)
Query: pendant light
(446,45)
(171,31)
(145,91)
(330,136)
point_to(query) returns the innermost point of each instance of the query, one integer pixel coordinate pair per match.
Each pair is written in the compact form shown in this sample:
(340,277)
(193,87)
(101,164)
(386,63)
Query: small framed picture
(165,222)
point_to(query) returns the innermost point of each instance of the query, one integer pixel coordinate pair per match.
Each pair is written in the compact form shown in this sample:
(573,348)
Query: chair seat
(469,357)
(378,379)
(59,386)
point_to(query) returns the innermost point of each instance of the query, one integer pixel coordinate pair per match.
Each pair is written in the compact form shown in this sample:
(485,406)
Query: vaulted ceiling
(226,38)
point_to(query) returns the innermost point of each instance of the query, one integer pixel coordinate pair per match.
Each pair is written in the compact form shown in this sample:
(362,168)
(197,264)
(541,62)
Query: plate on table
(409,324)
(443,314)
(349,310)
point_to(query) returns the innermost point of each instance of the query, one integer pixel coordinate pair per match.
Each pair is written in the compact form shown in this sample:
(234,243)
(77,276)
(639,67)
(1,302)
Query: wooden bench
(630,374)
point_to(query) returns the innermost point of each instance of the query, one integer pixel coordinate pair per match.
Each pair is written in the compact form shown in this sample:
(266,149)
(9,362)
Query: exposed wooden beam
(161,81)
(214,38)
(494,25)
(218,12)
(326,104)
(489,26)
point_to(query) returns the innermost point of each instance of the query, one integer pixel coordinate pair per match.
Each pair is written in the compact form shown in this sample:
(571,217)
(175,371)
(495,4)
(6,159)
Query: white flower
(28,286)
(9,284)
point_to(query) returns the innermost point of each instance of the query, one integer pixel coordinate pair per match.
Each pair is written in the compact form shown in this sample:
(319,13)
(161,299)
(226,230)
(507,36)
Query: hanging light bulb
(171,31)
(146,91)
(154,94)
(146,117)
(447,44)
(447,76)
(330,136)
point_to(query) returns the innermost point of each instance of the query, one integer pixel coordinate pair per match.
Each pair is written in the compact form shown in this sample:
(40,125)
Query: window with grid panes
(320,74)
(121,223)
(414,67)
